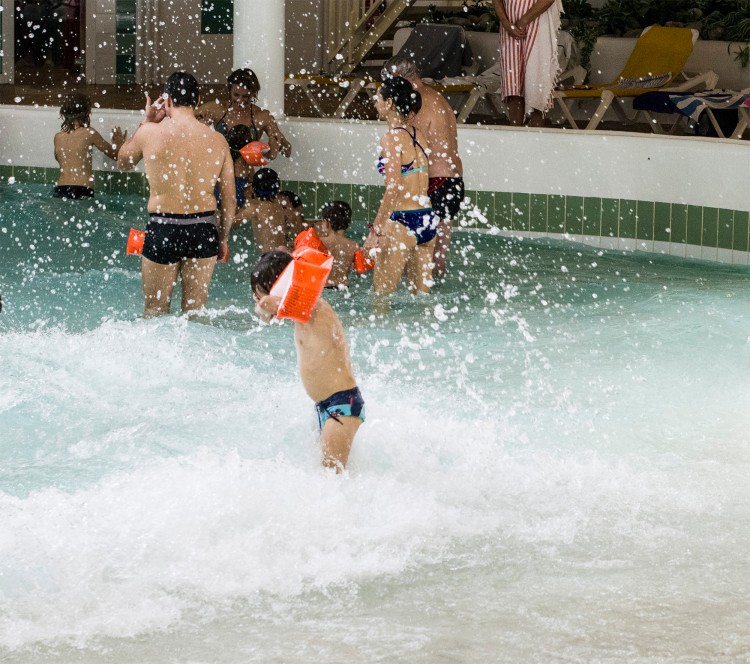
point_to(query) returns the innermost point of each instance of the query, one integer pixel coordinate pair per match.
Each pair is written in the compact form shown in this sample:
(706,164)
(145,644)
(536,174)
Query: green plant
(741,55)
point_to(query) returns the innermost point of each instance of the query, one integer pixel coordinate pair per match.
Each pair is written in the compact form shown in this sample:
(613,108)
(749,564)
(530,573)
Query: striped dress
(529,66)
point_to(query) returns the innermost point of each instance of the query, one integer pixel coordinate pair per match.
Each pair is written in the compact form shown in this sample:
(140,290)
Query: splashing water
(554,464)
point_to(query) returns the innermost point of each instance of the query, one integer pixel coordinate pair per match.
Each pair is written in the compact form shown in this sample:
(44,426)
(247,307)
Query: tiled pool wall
(678,229)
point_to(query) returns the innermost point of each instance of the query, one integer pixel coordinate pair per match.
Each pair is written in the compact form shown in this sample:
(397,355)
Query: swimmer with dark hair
(336,217)
(74,145)
(402,235)
(294,216)
(243,88)
(323,357)
(264,211)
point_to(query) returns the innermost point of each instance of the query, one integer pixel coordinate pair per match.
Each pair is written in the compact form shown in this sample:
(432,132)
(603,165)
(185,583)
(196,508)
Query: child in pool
(73,146)
(294,220)
(264,211)
(324,362)
(336,218)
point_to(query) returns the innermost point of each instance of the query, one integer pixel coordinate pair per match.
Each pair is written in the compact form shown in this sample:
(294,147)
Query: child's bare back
(75,143)
(267,219)
(342,249)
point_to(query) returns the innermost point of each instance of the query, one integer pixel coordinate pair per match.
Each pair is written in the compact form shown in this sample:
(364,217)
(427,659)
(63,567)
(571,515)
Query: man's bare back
(437,122)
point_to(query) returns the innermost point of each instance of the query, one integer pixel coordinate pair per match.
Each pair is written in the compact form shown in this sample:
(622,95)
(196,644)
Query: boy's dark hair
(183,89)
(338,214)
(405,98)
(245,78)
(76,107)
(238,137)
(266,184)
(295,200)
(267,270)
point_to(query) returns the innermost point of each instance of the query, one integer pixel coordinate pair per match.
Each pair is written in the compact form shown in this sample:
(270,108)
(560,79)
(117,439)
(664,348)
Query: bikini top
(406,169)
(222,127)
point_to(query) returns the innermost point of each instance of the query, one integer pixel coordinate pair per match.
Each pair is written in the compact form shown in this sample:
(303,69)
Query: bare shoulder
(262,116)
(211,111)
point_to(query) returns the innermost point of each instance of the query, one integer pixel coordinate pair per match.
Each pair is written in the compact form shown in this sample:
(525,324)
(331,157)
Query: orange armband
(301,283)
(135,242)
(254,153)
(310,239)
(362,262)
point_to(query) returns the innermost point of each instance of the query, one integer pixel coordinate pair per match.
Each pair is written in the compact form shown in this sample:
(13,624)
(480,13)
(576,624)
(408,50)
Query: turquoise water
(554,465)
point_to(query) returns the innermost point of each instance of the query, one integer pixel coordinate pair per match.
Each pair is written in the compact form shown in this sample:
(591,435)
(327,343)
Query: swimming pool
(554,465)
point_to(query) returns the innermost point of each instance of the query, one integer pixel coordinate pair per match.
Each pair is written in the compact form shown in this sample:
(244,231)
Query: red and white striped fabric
(514,53)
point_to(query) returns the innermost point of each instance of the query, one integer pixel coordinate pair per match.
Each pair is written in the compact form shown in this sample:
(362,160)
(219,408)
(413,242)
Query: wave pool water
(554,465)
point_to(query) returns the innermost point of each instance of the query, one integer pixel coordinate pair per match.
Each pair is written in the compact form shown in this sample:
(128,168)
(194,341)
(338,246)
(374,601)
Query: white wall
(696,171)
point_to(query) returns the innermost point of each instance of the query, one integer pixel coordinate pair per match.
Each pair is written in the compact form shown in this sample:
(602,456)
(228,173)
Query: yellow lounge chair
(656,63)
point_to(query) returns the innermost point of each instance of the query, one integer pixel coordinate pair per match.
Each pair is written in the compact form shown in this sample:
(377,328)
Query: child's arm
(110,149)
(267,307)
(246,213)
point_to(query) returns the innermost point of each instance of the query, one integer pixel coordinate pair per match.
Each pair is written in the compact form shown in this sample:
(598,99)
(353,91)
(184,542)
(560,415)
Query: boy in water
(324,363)
(336,218)
(264,212)
(73,146)
(294,220)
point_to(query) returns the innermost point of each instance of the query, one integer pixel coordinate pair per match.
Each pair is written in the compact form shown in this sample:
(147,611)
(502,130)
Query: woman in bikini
(243,87)
(403,232)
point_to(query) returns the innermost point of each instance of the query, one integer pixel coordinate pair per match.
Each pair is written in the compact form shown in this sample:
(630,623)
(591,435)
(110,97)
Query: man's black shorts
(446,195)
(171,238)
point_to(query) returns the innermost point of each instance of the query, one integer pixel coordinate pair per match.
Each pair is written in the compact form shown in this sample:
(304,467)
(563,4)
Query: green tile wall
(125,21)
(673,223)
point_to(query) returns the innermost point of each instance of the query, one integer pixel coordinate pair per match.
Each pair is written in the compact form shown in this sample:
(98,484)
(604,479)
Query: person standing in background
(437,121)
(528,57)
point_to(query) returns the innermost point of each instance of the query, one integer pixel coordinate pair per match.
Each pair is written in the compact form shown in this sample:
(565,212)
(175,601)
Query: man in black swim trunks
(437,122)
(183,160)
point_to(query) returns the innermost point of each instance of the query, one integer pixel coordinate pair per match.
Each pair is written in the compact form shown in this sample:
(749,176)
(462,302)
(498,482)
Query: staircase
(361,31)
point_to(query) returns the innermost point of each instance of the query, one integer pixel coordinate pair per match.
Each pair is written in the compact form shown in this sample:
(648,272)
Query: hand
(371,242)
(155,112)
(267,306)
(223,255)
(118,137)
(514,30)
(286,149)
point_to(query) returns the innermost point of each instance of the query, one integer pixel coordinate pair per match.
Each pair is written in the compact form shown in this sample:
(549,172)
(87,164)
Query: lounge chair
(656,63)
(699,108)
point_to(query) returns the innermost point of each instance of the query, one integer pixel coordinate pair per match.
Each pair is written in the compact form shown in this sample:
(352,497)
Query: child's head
(267,270)
(75,109)
(338,214)
(238,137)
(289,199)
(266,184)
